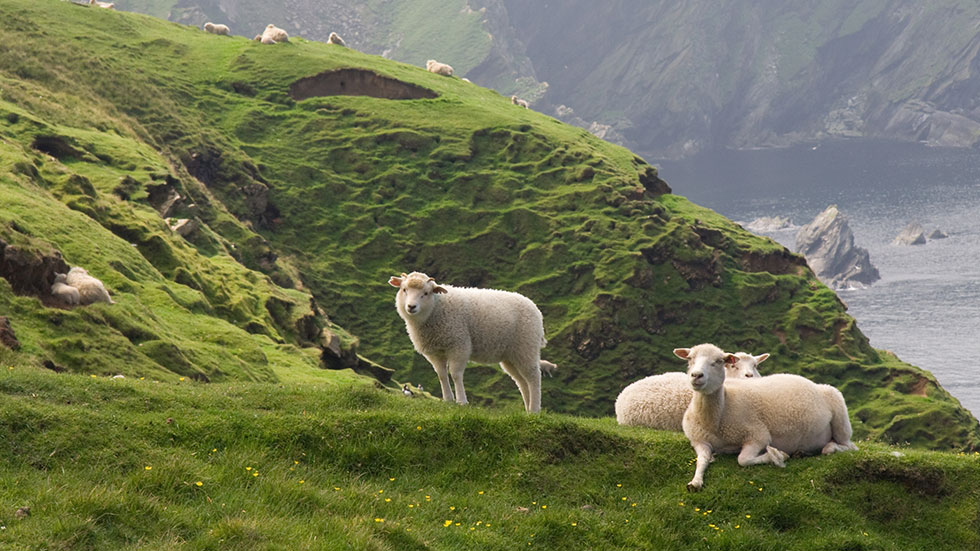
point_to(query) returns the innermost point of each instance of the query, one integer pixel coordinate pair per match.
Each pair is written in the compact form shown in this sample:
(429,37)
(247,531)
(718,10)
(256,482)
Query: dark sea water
(926,307)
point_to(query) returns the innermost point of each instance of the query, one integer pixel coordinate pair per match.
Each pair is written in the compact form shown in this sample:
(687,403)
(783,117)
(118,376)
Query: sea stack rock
(828,245)
(913,234)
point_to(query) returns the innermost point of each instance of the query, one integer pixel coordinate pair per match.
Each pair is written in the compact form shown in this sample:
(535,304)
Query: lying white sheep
(64,292)
(434,66)
(659,401)
(519,102)
(273,35)
(89,288)
(106,5)
(763,420)
(334,38)
(218,28)
(452,325)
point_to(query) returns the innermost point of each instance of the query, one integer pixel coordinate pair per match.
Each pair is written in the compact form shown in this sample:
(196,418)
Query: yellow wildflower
(199,483)
(302,481)
(447,523)
(147,467)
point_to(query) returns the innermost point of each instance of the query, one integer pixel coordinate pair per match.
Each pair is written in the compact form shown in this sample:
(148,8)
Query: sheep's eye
(425,294)
(403,290)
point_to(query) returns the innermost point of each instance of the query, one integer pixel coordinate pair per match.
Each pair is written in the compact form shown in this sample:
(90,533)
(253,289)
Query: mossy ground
(327,197)
(142,464)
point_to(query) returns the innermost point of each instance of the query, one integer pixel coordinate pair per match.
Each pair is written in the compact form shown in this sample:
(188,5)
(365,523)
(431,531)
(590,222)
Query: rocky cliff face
(671,79)
(828,245)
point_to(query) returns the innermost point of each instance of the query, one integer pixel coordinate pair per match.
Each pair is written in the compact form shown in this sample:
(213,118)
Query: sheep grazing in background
(519,102)
(273,35)
(434,66)
(106,5)
(89,288)
(216,28)
(452,325)
(335,39)
(65,293)
(659,401)
(763,420)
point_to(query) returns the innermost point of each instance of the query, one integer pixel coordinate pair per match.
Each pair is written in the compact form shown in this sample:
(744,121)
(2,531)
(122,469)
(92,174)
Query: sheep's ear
(395,281)
(682,353)
(439,290)
(761,358)
(731,359)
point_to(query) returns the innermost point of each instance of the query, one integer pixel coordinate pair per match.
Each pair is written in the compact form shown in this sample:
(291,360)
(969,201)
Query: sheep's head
(746,365)
(706,366)
(60,278)
(416,295)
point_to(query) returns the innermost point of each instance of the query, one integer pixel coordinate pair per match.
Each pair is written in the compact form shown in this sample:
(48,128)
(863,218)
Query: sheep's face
(706,365)
(60,278)
(746,366)
(416,295)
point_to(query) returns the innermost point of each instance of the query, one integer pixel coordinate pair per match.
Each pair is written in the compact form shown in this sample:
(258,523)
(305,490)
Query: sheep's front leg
(456,366)
(752,454)
(704,457)
(439,364)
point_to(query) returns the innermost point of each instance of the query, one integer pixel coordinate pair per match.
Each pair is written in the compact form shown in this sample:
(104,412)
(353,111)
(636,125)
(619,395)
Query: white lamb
(519,102)
(659,401)
(89,288)
(216,28)
(273,35)
(64,292)
(763,420)
(452,325)
(334,38)
(434,66)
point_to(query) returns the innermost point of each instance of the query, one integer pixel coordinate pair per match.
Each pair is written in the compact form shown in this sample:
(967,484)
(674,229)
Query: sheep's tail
(840,424)
(547,367)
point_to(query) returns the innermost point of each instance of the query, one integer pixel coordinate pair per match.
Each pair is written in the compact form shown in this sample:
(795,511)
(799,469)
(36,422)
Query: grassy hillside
(134,464)
(104,114)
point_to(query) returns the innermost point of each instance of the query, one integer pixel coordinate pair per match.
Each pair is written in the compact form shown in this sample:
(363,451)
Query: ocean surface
(926,306)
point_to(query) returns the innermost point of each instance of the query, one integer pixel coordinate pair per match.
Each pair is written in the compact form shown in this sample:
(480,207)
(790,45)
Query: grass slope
(331,195)
(134,464)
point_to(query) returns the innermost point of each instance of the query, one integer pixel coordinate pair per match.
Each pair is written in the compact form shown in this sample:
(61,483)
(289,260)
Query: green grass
(308,207)
(140,464)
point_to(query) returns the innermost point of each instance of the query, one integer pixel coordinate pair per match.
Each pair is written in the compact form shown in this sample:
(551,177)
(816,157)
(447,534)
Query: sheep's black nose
(411,308)
(749,375)
(697,376)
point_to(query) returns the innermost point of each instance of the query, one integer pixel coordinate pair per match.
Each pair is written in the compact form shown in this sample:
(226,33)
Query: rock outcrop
(828,245)
(769,224)
(913,234)
(7,336)
(938,234)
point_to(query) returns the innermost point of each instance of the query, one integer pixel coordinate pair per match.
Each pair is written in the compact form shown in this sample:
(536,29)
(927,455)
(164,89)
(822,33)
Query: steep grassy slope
(332,195)
(128,464)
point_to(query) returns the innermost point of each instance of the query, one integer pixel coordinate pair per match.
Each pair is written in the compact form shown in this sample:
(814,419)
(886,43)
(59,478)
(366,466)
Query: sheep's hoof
(778,457)
(692,487)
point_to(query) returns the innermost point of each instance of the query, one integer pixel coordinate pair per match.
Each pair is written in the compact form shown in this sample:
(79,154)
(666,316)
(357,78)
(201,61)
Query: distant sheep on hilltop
(216,28)
(434,66)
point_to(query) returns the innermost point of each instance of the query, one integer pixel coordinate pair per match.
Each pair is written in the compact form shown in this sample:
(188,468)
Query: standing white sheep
(216,28)
(273,35)
(762,420)
(452,325)
(89,288)
(434,66)
(334,38)
(659,401)
(64,292)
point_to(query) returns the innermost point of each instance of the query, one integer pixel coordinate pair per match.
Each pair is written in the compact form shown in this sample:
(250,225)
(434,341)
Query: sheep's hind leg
(519,380)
